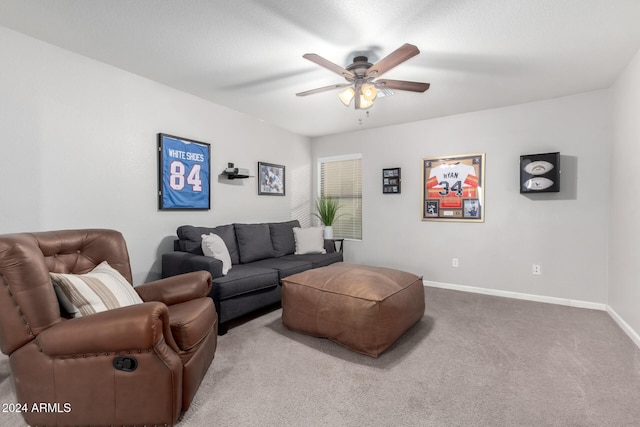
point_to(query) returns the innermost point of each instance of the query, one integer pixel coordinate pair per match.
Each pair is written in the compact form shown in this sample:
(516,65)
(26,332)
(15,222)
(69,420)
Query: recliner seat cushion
(254,242)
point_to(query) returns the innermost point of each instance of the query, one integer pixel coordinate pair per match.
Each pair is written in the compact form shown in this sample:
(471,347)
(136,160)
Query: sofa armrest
(176,262)
(136,327)
(176,289)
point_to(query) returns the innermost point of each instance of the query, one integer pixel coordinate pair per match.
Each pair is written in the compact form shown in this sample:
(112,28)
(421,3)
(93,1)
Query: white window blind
(341,178)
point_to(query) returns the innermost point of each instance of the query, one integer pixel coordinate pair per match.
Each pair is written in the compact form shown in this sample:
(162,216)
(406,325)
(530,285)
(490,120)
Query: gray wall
(566,233)
(624,227)
(78,150)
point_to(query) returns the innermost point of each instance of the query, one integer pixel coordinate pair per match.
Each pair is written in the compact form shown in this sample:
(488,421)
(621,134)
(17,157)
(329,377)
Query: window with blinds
(341,178)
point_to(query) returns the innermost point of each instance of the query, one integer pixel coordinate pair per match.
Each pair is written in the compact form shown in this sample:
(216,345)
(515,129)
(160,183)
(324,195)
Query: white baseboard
(624,326)
(540,298)
(518,295)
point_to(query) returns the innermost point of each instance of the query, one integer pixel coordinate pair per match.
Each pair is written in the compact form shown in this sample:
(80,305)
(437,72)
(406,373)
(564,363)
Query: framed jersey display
(453,188)
(184,168)
(540,173)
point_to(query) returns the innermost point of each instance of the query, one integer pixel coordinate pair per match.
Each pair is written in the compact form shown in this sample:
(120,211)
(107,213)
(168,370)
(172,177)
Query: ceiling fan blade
(329,65)
(323,89)
(402,85)
(398,56)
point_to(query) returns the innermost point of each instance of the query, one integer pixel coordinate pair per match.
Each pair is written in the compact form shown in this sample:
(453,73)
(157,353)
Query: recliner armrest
(177,289)
(135,327)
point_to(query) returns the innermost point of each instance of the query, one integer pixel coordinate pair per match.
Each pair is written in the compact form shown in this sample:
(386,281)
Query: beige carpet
(474,360)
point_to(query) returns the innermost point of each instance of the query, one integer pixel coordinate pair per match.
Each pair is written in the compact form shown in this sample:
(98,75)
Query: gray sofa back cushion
(254,242)
(191,240)
(282,239)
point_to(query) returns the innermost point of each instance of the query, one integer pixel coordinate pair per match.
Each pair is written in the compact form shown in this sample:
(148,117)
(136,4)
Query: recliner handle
(125,363)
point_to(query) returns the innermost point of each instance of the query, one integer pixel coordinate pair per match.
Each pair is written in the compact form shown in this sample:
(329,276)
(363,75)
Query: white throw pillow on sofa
(214,246)
(309,240)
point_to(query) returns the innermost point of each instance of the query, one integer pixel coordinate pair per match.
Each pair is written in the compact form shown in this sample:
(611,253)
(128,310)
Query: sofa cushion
(102,289)
(309,240)
(213,246)
(191,237)
(317,260)
(282,237)
(284,267)
(254,242)
(243,279)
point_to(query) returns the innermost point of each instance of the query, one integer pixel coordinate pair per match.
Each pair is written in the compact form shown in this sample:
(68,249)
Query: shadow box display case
(540,173)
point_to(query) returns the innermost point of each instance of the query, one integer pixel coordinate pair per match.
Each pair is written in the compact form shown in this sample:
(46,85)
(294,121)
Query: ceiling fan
(362,86)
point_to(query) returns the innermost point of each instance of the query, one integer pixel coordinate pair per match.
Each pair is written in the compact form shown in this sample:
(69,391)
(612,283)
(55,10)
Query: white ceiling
(247,54)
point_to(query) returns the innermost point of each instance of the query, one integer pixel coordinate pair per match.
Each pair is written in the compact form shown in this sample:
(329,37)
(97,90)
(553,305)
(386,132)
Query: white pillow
(309,240)
(102,289)
(214,246)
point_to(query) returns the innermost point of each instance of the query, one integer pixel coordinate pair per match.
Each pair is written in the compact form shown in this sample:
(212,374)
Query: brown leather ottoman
(363,308)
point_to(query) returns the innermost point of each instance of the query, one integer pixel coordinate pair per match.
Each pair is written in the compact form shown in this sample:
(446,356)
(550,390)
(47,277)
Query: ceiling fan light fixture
(364,103)
(346,96)
(369,92)
(360,75)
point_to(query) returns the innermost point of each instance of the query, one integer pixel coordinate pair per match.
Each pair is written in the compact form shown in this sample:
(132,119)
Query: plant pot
(328,232)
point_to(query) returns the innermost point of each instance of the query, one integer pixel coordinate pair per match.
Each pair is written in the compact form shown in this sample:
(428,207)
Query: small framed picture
(271,180)
(431,209)
(471,208)
(391,181)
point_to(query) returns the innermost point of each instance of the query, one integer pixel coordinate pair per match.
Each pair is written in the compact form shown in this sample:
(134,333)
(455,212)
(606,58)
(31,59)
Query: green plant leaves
(327,208)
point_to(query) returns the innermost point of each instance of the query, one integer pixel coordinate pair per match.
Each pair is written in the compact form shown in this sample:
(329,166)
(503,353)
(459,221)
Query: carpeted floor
(473,360)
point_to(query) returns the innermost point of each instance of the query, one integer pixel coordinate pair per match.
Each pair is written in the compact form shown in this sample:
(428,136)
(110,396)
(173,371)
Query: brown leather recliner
(79,371)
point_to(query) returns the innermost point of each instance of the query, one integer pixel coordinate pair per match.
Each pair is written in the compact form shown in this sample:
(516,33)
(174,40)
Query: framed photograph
(271,180)
(540,173)
(184,168)
(453,188)
(391,181)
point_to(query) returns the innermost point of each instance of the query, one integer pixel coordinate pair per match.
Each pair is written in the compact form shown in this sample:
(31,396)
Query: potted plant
(327,208)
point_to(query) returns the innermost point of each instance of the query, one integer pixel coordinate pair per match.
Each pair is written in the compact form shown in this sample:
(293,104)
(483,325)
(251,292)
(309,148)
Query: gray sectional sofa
(261,255)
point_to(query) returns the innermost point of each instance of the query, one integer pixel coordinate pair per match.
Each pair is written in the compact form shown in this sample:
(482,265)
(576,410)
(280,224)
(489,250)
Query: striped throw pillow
(103,288)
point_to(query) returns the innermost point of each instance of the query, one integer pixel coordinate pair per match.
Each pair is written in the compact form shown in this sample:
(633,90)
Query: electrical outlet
(536,269)
(454,262)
